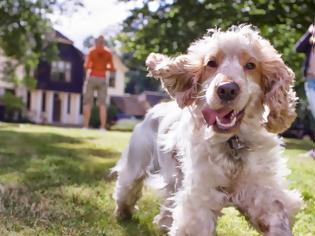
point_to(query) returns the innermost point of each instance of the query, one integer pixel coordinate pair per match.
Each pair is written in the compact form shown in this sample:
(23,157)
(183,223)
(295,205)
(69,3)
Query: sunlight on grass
(232,223)
(52,182)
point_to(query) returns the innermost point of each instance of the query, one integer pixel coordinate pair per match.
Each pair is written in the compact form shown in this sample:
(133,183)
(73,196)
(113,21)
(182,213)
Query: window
(61,71)
(28,100)
(81,104)
(44,102)
(69,104)
(112,79)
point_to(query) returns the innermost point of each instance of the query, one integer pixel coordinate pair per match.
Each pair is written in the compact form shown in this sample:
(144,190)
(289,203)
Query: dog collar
(235,147)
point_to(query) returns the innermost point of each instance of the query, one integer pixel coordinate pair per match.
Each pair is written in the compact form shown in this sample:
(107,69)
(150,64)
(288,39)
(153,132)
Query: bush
(95,119)
(111,116)
(14,106)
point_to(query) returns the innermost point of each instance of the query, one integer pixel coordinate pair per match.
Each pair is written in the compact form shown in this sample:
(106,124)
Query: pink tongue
(210,115)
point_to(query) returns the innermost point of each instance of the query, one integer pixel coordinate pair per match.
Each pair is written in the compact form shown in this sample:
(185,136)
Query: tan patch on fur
(179,76)
(279,95)
(217,56)
(255,74)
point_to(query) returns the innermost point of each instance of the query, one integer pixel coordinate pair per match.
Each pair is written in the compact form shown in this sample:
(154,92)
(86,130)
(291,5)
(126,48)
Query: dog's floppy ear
(177,75)
(278,82)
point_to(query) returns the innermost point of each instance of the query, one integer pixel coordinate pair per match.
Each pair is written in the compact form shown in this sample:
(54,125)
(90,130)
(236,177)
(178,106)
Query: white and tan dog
(217,145)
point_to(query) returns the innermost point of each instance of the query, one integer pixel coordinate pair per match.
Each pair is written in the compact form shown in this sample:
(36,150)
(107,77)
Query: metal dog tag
(236,145)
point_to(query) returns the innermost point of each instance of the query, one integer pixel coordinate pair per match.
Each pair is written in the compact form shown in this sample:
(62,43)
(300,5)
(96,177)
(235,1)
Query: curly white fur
(201,175)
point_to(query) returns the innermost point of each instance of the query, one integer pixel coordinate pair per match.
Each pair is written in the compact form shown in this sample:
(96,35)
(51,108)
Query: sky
(92,19)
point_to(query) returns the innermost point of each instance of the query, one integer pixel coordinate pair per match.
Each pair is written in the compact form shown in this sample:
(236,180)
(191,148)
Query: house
(58,98)
(129,105)
(137,105)
(154,97)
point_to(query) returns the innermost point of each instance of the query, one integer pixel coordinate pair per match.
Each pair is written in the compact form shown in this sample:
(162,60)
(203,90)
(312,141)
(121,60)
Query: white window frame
(113,76)
(64,67)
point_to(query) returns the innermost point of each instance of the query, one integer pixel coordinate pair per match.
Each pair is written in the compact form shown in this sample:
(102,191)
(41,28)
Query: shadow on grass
(64,214)
(40,158)
(46,166)
(134,227)
(303,145)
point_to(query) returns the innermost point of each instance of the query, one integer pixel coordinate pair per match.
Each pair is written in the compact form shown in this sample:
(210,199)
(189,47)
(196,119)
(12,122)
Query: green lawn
(52,183)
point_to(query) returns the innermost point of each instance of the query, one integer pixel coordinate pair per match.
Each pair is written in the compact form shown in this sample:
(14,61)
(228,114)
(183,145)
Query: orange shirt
(99,60)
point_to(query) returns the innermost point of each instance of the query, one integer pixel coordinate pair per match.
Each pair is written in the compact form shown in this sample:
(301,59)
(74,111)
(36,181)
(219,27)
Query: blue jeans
(310,94)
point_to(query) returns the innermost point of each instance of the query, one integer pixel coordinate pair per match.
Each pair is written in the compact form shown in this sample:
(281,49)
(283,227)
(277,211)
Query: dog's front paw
(124,212)
(163,221)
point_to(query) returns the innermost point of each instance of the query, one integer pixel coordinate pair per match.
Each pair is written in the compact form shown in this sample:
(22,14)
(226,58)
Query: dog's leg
(127,193)
(172,175)
(270,209)
(196,211)
(164,219)
(131,171)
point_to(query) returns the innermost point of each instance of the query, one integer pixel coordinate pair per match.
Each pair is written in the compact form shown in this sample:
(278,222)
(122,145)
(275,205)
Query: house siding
(74,117)
(119,88)
(38,116)
(66,53)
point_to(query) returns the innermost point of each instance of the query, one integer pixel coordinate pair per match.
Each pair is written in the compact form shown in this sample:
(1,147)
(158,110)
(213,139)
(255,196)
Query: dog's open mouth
(222,120)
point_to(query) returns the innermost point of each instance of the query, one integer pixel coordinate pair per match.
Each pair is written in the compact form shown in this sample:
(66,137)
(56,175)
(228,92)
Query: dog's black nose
(228,91)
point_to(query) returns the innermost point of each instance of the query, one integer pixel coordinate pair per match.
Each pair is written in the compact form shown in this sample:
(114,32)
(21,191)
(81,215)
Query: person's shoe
(103,129)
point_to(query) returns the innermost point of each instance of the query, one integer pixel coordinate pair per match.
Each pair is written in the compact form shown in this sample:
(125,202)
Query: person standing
(98,61)
(306,45)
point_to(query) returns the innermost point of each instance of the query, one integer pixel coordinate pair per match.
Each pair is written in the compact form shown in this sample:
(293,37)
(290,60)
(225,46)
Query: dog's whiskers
(199,97)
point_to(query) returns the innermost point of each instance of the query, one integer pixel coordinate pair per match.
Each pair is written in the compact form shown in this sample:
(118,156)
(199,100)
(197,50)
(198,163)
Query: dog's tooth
(218,120)
(233,121)
(225,126)
(220,123)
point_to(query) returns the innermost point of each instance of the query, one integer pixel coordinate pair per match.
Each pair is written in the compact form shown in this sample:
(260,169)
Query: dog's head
(232,77)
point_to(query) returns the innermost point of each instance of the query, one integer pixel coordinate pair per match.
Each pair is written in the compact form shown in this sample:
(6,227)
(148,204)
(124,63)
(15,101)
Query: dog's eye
(212,63)
(250,66)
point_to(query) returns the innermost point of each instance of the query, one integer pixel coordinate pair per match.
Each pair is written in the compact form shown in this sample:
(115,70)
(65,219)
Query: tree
(170,26)
(26,30)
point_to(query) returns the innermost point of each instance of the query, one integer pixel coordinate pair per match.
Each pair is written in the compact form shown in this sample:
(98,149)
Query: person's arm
(304,43)
(110,64)
(88,63)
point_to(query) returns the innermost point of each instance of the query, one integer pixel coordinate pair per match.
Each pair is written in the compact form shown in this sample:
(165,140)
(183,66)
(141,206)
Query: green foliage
(137,82)
(26,32)
(95,117)
(111,116)
(12,103)
(13,106)
(112,112)
(88,41)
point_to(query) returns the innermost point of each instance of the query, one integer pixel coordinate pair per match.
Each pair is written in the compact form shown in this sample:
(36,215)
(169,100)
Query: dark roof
(154,97)
(137,105)
(62,38)
(130,104)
